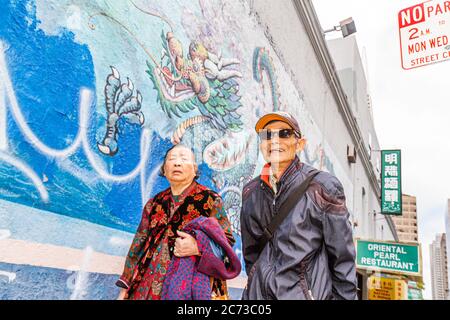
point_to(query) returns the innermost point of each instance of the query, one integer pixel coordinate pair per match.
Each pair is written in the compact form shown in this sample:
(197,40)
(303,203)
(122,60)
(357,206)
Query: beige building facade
(406,224)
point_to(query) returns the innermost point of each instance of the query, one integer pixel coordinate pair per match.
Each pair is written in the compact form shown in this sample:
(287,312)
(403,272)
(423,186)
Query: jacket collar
(180,198)
(294,166)
(194,189)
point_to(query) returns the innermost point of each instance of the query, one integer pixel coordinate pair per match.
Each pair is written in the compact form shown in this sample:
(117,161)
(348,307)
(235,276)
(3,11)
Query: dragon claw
(103,149)
(141,118)
(130,84)
(106,150)
(115,73)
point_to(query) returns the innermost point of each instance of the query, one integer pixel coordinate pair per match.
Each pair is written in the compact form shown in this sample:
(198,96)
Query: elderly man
(296,237)
(163,218)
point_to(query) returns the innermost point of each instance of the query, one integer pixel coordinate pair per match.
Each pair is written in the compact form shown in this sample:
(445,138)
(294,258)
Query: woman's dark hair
(161,170)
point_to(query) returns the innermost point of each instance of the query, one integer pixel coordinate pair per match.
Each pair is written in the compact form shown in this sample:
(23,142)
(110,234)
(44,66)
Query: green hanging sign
(391,182)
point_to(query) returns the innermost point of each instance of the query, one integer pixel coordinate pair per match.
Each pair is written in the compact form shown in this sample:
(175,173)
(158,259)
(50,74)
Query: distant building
(447,227)
(406,224)
(439,269)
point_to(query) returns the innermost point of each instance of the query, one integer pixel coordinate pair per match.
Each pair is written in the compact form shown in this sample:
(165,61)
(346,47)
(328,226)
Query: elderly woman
(159,237)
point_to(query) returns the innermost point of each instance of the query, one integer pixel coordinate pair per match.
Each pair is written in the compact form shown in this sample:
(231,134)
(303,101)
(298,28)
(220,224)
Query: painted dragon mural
(128,80)
(199,81)
(200,90)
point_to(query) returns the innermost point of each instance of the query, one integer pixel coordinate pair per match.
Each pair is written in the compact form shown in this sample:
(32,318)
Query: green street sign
(388,257)
(391,182)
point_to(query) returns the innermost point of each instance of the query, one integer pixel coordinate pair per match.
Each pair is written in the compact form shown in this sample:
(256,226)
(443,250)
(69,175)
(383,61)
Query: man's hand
(185,245)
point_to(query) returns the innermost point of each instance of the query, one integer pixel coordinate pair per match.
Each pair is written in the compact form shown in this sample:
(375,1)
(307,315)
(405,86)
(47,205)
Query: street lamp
(347,27)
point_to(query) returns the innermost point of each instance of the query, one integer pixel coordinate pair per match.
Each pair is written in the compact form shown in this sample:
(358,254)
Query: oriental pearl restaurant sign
(424,33)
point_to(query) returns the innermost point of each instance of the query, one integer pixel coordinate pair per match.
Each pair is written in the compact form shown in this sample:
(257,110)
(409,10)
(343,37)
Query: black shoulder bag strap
(285,209)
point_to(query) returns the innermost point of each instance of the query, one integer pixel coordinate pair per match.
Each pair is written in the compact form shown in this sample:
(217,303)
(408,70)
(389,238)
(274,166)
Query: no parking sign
(424,34)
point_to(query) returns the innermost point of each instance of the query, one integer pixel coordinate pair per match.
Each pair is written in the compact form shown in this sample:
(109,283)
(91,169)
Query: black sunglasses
(282,134)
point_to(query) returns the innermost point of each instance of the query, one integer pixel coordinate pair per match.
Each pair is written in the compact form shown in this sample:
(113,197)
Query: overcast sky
(411,108)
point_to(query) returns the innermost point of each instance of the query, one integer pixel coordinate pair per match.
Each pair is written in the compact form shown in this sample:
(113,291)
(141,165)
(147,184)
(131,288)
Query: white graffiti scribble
(20,119)
(81,139)
(4,234)
(3,137)
(147,188)
(10,275)
(28,172)
(78,281)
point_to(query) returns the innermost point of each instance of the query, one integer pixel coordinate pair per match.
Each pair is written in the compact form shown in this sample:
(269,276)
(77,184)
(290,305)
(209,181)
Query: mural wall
(92,94)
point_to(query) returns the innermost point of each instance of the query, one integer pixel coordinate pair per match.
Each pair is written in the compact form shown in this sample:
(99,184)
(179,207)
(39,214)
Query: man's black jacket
(311,255)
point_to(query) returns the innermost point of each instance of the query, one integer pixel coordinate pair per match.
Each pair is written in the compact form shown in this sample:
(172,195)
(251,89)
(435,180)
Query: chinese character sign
(391,186)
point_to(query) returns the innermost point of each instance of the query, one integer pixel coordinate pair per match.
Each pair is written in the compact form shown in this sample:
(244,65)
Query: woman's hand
(185,245)
(123,294)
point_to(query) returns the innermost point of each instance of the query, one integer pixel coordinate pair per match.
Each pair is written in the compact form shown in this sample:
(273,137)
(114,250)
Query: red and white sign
(424,33)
